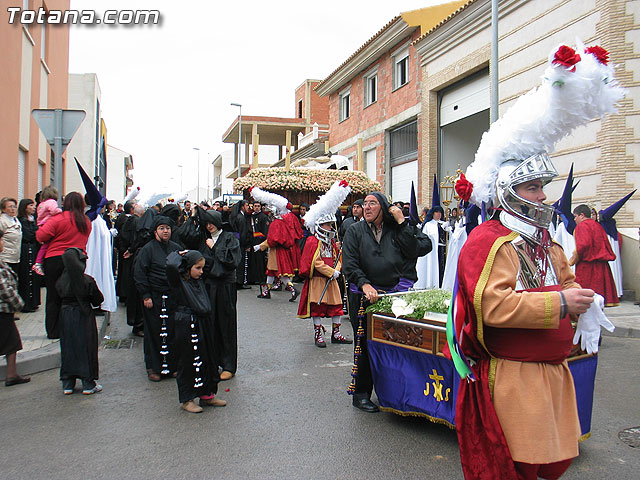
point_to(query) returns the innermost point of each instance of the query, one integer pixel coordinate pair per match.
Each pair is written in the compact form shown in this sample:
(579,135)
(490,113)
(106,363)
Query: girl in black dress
(28,280)
(197,373)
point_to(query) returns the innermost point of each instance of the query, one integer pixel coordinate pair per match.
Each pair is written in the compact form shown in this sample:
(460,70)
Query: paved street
(288,417)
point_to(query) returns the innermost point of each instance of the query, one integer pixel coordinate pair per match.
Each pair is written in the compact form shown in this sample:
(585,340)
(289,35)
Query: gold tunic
(535,402)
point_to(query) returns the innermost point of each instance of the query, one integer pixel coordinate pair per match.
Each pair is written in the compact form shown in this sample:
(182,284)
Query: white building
(84,94)
(222,166)
(119,177)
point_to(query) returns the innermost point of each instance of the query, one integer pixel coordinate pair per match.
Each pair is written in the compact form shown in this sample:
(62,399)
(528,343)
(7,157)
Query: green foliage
(435,300)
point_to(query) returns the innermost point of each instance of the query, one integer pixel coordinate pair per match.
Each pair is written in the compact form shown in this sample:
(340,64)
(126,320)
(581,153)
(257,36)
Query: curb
(48,357)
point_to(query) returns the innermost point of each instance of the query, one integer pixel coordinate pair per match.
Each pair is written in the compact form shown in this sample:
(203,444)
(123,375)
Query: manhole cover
(631,436)
(126,343)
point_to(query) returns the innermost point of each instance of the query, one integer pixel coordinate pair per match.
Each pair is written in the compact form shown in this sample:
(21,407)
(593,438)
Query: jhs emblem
(437,387)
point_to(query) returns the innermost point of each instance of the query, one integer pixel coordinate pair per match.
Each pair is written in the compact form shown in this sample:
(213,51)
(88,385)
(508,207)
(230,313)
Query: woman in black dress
(28,281)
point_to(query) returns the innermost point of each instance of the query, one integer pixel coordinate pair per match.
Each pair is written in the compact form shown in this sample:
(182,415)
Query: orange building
(34,72)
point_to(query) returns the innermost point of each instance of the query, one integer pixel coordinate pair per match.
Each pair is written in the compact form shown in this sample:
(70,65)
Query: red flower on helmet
(464,188)
(344,183)
(567,57)
(600,53)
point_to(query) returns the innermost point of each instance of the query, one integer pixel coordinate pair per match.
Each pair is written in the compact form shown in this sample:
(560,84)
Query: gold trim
(548,310)
(418,414)
(493,364)
(584,437)
(402,345)
(482,283)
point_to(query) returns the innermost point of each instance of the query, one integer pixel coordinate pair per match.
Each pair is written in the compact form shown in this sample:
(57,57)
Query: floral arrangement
(305,179)
(413,304)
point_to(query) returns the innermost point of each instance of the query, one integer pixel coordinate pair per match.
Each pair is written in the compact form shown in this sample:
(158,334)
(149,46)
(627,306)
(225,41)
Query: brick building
(375,95)
(455,55)
(33,74)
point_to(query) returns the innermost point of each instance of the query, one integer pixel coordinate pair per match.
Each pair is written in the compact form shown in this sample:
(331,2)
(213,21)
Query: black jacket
(382,264)
(150,270)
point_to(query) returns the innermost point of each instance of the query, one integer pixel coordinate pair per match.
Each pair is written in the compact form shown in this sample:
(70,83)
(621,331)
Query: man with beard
(379,255)
(151,281)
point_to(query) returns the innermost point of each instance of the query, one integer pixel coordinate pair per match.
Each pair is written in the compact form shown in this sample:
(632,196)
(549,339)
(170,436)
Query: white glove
(588,328)
(256,248)
(114,232)
(336,274)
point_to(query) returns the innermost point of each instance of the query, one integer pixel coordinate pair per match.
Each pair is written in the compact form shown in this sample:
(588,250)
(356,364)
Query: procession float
(412,373)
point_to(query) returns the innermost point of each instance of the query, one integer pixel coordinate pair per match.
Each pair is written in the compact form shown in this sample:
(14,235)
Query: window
(299,108)
(401,69)
(22,162)
(345,105)
(370,88)
(403,143)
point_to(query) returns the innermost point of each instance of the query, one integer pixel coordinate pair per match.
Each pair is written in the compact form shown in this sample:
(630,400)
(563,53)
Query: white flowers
(400,308)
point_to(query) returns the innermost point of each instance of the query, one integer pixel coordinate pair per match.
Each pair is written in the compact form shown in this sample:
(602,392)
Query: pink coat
(46,210)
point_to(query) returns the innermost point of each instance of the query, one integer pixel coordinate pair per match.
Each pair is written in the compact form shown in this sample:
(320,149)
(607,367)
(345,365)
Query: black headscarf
(172,211)
(189,259)
(162,220)
(71,283)
(211,216)
(387,217)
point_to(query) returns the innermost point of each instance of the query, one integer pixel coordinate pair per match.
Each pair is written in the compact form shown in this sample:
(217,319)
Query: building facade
(455,55)
(34,67)
(119,176)
(375,96)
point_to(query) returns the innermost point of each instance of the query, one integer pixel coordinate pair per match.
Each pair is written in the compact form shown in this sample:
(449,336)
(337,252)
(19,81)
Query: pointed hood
(564,204)
(435,198)
(95,199)
(605,217)
(413,207)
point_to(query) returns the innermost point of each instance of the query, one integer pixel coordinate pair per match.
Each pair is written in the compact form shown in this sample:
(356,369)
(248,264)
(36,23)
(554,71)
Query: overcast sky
(167,88)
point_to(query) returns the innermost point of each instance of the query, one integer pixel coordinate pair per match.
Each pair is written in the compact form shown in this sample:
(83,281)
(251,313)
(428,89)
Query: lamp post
(198,191)
(180,167)
(239,134)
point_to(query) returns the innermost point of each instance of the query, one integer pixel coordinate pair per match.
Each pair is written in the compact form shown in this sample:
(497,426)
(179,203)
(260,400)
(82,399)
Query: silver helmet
(516,172)
(323,234)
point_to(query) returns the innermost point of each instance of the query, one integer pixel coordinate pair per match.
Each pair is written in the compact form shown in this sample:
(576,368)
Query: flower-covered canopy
(297,179)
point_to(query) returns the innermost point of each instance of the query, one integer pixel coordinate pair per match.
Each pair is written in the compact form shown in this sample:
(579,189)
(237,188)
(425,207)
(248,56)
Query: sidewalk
(38,352)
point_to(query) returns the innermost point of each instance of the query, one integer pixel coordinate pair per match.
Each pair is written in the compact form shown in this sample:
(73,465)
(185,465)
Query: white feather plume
(327,203)
(270,198)
(565,100)
(132,194)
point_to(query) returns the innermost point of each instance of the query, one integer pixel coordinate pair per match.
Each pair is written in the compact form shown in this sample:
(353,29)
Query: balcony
(309,138)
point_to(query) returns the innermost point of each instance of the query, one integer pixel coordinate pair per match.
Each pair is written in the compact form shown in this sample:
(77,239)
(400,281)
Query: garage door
(401,178)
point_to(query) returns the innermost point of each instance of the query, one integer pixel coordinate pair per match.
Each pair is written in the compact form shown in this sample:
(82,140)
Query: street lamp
(198,191)
(180,167)
(239,133)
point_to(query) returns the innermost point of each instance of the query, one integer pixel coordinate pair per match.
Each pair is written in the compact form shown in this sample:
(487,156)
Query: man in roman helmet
(516,413)
(321,264)
(284,254)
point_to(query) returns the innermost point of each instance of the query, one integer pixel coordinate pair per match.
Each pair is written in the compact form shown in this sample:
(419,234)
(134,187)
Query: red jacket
(61,233)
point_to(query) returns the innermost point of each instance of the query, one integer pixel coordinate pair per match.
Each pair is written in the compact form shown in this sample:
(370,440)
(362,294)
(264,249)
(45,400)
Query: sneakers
(37,268)
(212,402)
(191,407)
(67,391)
(96,389)
(319,337)
(337,337)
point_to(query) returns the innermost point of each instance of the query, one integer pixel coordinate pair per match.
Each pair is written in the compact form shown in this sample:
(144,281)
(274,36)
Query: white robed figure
(605,218)
(456,242)
(99,245)
(566,241)
(99,262)
(427,266)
